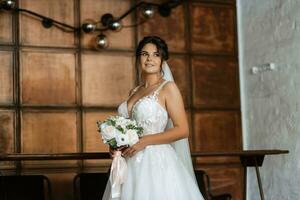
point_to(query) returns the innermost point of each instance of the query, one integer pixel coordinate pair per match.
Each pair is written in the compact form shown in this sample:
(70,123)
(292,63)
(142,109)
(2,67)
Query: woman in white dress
(159,165)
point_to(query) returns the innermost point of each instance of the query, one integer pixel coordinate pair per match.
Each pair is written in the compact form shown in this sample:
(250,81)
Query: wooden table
(249,158)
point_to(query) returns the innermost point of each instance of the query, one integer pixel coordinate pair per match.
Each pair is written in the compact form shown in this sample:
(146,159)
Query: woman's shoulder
(170,88)
(170,85)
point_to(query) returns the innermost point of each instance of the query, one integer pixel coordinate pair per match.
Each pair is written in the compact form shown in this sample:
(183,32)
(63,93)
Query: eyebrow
(149,52)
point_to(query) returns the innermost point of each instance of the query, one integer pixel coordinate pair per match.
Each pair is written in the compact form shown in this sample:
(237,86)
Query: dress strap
(134,90)
(156,92)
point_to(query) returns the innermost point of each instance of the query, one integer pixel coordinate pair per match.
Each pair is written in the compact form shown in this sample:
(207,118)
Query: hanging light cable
(107,22)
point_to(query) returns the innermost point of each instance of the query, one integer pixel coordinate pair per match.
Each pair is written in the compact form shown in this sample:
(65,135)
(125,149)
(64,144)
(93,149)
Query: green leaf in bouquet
(112,143)
(120,129)
(130,126)
(139,130)
(110,122)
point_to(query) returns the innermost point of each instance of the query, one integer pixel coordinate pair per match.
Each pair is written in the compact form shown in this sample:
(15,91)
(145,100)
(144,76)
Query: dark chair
(89,186)
(25,187)
(205,188)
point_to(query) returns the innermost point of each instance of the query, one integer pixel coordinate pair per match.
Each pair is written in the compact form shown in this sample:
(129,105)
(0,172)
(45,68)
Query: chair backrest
(204,186)
(201,177)
(90,186)
(25,187)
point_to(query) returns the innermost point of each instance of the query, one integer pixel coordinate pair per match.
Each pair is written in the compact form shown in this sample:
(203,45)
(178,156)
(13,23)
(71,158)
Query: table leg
(259,182)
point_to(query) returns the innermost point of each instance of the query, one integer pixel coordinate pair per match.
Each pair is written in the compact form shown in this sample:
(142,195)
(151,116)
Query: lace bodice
(147,112)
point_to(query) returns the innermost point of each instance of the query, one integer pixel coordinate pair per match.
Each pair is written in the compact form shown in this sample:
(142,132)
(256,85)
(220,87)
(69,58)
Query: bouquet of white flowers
(118,131)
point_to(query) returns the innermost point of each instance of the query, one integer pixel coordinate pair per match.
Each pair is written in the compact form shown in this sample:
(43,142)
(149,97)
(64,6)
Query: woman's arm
(175,108)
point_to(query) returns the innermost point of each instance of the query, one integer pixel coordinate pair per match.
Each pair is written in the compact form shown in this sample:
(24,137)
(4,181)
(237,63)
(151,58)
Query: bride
(159,165)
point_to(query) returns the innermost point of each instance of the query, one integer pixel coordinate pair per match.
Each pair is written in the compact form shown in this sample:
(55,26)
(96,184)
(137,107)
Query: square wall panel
(6,78)
(92,10)
(48,78)
(217,131)
(171,28)
(212,28)
(32,31)
(180,70)
(106,79)
(7,135)
(215,83)
(5,27)
(49,132)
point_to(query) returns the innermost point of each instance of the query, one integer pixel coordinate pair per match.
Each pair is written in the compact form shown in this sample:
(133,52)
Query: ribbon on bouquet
(118,174)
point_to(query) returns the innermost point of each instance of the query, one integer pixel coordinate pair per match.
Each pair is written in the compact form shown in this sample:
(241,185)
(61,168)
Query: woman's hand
(131,151)
(112,150)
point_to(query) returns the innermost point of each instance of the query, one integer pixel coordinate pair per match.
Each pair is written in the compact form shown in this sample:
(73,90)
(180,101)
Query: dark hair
(160,44)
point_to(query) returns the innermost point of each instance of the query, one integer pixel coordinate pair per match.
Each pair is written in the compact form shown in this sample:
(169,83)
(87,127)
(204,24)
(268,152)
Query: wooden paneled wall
(54,85)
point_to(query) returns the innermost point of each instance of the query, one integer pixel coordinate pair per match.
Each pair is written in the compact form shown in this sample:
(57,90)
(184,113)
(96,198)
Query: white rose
(109,132)
(122,139)
(132,136)
(128,121)
(103,126)
(121,122)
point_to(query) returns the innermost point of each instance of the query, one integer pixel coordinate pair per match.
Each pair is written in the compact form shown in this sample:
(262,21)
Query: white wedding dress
(155,173)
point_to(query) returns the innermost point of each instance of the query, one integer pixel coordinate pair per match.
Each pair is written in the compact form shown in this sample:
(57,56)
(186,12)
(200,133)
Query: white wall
(269,31)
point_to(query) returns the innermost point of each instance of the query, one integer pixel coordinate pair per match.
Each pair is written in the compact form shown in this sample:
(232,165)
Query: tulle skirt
(156,173)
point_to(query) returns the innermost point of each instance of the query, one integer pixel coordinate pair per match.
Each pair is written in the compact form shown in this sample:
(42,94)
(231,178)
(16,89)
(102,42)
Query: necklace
(155,84)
